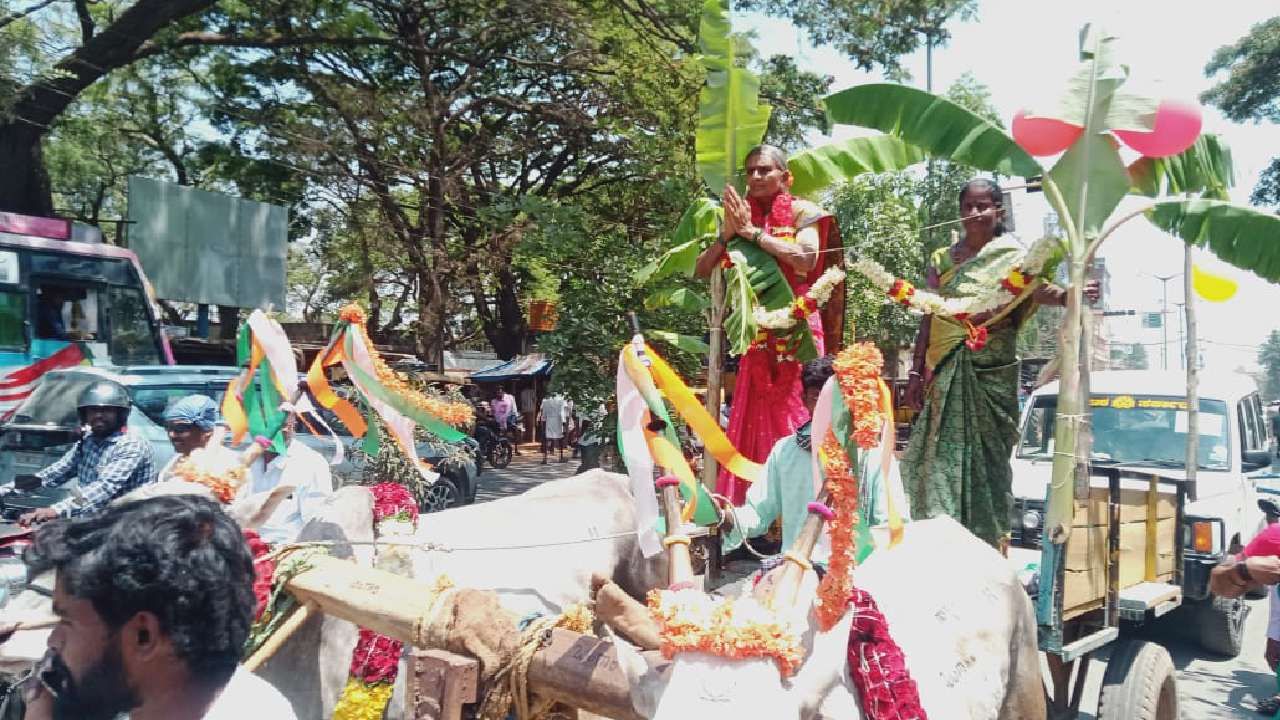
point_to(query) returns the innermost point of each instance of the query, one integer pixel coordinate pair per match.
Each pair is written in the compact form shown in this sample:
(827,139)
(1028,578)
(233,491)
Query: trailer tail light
(1202,537)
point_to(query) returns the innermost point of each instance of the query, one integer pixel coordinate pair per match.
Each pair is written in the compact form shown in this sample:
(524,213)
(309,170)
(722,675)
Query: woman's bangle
(757,236)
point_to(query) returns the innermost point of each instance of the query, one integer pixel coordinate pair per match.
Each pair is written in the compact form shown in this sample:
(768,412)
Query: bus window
(132,337)
(13,315)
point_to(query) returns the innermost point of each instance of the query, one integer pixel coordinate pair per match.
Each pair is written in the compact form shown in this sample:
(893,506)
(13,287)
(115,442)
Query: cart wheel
(1221,625)
(1139,683)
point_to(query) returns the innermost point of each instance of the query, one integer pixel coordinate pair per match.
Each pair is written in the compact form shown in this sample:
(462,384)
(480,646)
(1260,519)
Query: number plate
(29,460)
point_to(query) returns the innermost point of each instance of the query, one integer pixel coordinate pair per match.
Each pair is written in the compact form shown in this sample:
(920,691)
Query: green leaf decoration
(1205,169)
(682,298)
(739,326)
(755,278)
(816,169)
(936,125)
(1246,238)
(1088,100)
(687,343)
(698,226)
(731,119)
(1093,181)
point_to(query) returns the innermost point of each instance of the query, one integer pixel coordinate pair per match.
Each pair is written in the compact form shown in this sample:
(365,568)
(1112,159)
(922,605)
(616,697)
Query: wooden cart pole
(715,369)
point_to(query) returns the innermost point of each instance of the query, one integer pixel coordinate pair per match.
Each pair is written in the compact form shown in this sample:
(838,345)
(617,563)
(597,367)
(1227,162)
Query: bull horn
(791,576)
(679,561)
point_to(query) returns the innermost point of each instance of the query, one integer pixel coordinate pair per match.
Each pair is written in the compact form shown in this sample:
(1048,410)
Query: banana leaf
(682,298)
(936,125)
(816,169)
(687,343)
(1242,236)
(731,119)
(1093,181)
(756,278)
(698,226)
(1205,168)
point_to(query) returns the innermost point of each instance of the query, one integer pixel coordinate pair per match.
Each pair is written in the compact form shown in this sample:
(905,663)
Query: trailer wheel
(1221,625)
(1139,683)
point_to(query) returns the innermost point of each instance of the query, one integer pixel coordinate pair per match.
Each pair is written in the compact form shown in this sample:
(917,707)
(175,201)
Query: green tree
(878,219)
(1269,359)
(872,33)
(1250,90)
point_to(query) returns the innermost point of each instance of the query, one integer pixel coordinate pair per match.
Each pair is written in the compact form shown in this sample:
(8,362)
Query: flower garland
(803,306)
(779,219)
(981,300)
(453,413)
(857,372)
(375,662)
(203,467)
(690,620)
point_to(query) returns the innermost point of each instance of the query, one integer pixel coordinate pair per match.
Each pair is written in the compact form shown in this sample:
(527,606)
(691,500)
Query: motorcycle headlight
(1031,519)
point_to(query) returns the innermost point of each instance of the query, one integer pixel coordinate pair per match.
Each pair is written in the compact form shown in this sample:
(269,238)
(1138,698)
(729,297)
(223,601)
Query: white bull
(538,551)
(955,608)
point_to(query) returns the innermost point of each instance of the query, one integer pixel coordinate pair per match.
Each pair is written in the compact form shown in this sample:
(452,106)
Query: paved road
(1210,688)
(525,471)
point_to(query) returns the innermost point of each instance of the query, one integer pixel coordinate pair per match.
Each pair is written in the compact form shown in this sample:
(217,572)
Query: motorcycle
(495,446)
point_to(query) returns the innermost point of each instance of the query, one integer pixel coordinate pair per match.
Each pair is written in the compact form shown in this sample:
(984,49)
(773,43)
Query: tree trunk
(24,184)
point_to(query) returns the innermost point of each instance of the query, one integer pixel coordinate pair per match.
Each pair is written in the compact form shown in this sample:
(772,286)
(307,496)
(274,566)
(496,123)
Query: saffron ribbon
(319,386)
(661,449)
(700,421)
(233,400)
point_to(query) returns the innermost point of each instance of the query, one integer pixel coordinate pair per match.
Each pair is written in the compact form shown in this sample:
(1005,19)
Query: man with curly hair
(154,601)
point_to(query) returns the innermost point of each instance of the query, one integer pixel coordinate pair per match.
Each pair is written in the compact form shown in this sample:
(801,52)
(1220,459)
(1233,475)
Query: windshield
(1136,430)
(53,403)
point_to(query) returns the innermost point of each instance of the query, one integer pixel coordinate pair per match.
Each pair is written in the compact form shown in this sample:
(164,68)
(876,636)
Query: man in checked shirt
(108,461)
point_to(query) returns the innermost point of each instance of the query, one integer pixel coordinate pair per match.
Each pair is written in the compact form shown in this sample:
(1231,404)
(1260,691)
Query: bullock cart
(1121,567)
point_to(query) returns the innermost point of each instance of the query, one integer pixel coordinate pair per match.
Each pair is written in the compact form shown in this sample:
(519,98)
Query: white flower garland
(819,293)
(980,301)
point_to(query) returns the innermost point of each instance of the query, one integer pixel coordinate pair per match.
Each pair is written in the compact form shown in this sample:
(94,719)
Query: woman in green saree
(964,379)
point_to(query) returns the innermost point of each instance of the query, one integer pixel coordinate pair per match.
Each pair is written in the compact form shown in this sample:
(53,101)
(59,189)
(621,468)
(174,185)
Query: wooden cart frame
(1077,615)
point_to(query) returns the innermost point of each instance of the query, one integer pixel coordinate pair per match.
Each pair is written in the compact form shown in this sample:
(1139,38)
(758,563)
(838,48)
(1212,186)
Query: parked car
(456,464)
(45,426)
(1140,422)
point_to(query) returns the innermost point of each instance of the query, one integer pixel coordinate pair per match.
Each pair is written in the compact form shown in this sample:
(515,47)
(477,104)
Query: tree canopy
(1249,89)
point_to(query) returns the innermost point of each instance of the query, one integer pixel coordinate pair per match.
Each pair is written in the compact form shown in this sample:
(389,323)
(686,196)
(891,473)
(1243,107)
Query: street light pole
(1182,343)
(1164,318)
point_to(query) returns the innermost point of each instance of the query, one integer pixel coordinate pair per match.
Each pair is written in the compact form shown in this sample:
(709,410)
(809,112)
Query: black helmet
(104,393)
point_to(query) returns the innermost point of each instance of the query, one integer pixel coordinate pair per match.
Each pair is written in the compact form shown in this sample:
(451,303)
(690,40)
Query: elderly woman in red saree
(767,405)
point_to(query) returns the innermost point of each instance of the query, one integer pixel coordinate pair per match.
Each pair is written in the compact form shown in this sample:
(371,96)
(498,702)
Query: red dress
(767,403)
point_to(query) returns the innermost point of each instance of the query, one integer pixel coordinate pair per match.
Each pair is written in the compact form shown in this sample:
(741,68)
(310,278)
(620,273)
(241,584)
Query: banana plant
(731,121)
(1085,186)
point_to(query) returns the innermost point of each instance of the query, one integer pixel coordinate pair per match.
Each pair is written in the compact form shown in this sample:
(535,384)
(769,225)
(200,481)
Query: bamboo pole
(280,636)
(1193,380)
(715,370)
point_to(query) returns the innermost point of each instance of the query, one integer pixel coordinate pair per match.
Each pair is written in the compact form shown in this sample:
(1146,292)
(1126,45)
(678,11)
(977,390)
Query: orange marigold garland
(453,413)
(857,371)
(737,628)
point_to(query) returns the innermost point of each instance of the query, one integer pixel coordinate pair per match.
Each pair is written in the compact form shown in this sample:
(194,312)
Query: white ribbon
(635,453)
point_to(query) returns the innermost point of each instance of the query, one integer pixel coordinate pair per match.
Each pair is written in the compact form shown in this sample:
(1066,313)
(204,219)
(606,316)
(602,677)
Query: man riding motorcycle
(109,461)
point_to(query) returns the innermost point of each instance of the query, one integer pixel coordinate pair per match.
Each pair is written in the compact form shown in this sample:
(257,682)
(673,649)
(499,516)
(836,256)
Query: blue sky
(1023,51)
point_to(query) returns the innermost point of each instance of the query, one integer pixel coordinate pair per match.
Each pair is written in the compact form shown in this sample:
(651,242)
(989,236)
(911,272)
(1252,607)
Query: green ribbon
(376,390)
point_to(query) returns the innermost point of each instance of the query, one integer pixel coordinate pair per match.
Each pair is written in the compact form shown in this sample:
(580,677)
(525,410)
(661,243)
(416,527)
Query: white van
(1139,420)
